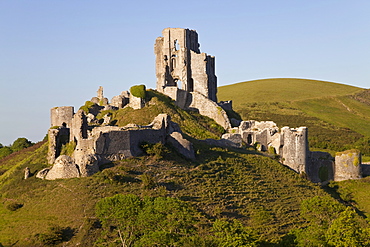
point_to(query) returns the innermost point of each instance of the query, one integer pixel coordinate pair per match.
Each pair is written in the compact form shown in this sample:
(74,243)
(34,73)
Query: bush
(5,151)
(87,106)
(13,206)
(20,144)
(158,150)
(138,91)
(148,181)
(68,148)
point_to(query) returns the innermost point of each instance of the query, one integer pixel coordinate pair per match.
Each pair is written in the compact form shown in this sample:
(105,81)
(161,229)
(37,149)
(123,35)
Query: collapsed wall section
(210,109)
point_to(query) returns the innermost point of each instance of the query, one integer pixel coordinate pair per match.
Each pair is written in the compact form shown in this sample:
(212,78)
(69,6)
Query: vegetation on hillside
(227,197)
(337,116)
(17,145)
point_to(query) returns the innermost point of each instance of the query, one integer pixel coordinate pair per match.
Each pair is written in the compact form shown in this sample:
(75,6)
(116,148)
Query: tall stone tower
(180,64)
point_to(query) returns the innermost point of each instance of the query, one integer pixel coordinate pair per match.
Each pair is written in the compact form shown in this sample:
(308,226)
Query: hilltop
(221,184)
(168,167)
(221,189)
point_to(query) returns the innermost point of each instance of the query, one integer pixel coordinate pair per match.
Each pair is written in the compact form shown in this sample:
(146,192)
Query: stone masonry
(187,75)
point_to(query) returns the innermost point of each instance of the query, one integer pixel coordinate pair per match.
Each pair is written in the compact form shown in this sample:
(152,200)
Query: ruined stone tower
(180,64)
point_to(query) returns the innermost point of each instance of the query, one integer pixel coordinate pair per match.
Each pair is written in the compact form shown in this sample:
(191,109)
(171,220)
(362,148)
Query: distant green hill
(338,116)
(282,89)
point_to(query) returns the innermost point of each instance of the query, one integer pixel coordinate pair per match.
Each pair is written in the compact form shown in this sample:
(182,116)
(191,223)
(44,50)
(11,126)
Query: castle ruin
(188,77)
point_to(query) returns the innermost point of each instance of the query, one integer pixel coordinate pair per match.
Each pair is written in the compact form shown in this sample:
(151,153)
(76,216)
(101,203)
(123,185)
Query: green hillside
(229,195)
(282,89)
(337,115)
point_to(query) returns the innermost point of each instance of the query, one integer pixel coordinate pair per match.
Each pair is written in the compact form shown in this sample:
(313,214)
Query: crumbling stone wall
(210,109)
(187,75)
(61,116)
(56,138)
(320,167)
(295,150)
(180,63)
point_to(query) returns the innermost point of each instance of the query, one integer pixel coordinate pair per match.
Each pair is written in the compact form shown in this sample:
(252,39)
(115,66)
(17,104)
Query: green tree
(160,221)
(20,144)
(120,212)
(232,234)
(5,151)
(346,231)
(319,212)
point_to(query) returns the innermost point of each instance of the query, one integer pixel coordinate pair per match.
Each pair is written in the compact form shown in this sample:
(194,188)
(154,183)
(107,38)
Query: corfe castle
(188,77)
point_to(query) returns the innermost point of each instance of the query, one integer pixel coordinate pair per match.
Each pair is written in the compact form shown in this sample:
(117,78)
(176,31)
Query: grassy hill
(282,89)
(222,184)
(233,195)
(337,115)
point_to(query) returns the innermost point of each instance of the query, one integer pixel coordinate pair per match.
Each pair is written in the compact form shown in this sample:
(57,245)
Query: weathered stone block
(235,138)
(347,165)
(61,116)
(64,167)
(183,146)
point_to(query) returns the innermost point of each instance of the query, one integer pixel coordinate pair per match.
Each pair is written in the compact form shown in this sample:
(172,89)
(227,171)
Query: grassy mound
(222,184)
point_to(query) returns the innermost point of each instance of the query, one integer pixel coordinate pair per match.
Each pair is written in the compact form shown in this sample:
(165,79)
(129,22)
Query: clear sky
(57,53)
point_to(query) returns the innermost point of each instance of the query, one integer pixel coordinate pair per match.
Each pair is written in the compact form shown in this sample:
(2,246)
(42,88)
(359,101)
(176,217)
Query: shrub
(87,106)
(138,91)
(13,206)
(158,150)
(148,181)
(20,144)
(68,148)
(54,235)
(5,151)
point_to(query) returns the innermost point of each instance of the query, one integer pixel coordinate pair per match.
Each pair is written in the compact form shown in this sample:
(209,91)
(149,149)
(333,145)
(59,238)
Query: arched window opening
(179,84)
(249,139)
(176,45)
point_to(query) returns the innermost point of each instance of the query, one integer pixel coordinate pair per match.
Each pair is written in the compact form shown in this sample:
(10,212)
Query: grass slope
(282,89)
(337,115)
(221,184)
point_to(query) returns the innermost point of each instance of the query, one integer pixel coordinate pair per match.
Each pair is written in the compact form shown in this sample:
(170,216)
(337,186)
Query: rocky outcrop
(88,164)
(64,167)
(42,174)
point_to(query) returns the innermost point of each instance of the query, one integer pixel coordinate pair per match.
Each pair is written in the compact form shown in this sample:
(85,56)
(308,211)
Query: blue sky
(57,53)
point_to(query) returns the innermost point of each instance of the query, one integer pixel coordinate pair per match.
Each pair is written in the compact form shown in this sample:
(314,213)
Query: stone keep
(180,64)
